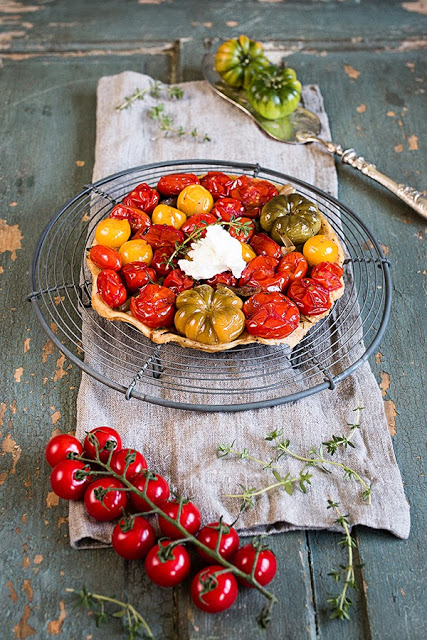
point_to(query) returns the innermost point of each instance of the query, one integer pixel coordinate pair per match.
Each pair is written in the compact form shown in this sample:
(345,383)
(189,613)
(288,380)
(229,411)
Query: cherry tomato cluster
(77,474)
(138,256)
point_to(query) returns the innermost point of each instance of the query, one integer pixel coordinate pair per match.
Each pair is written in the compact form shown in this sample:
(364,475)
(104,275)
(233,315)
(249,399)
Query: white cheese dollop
(215,253)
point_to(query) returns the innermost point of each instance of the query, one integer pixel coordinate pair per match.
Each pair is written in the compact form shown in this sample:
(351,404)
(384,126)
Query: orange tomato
(195,199)
(136,251)
(164,214)
(112,232)
(248,253)
(320,249)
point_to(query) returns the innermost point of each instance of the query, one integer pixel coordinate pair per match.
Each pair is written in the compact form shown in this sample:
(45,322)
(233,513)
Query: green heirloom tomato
(238,61)
(290,215)
(274,92)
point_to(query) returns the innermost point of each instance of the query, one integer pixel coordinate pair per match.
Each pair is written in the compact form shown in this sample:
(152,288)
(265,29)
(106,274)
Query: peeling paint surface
(10,238)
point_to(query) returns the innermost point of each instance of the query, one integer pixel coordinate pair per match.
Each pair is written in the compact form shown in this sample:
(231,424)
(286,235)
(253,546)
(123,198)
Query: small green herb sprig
(166,122)
(134,624)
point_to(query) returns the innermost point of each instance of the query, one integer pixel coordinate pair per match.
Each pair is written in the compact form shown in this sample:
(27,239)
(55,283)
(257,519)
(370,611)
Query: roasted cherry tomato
(58,448)
(223,594)
(137,219)
(263,245)
(228,208)
(294,265)
(142,197)
(266,563)
(198,221)
(154,306)
(195,199)
(69,479)
(134,460)
(161,261)
(261,272)
(105,258)
(174,183)
(178,281)
(190,519)
(133,537)
(217,183)
(320,249)
(166,564)
(270,315)
(104,499)
(105,438)
(112,232)
(226,277)
(311,298)
(248,253)
(136,251)
(245,231)
(253,194)
(209,535)
(160,235)
(136,275)
(164,214)
(111,288)
(327,274)
(157,491)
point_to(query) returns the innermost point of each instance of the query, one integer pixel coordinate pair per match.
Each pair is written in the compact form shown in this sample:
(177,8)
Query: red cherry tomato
(136,275)
(154,306)
(177,281)
(161,235)
(133,537)
(221,597)
(167,567)
(328,274)
(120,459)
(111,288)
(263,245)
(174,183)
(103,499)
(142,197)
(253,193)
(226,277)
(58,448)
(68,479)
(261,272)
(217,183)
(245,232)
(311,298)
(209,534)
(266,564)
(198,221)
(160,262)
(228,208)
(137,219)
(270,315)
(105,257)
(190,519)
(157,491)
(294,265)
(106,439)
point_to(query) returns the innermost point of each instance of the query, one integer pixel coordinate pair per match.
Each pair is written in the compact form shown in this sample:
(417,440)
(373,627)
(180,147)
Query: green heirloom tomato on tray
(274,92)
(238,61)
(292,216)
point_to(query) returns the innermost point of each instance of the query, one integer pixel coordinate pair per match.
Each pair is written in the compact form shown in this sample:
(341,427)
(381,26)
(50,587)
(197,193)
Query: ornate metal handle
(415,199)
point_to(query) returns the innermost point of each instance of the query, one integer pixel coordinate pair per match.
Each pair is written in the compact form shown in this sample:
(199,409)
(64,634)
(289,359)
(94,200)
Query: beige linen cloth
(182,445)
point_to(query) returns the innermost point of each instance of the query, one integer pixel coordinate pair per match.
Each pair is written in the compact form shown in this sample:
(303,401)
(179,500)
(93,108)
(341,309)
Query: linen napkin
(182,445)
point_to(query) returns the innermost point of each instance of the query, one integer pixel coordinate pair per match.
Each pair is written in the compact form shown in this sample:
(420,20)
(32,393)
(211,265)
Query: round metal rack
(246,377)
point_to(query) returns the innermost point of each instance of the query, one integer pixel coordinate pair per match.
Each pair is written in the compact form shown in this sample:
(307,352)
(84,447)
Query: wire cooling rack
(246,377)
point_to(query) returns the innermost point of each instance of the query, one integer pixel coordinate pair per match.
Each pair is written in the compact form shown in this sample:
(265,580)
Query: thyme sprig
(133,622)
(156,90)
(106,469)
(167,124)
(341,603)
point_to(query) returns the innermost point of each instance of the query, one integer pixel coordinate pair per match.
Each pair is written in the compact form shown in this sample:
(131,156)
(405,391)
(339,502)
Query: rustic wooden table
(368,59)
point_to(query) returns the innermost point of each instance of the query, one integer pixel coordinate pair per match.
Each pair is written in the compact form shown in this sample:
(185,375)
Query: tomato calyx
(109,446)
(166,548)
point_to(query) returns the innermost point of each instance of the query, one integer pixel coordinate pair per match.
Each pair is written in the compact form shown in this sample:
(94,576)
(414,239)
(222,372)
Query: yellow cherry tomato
(195,199)
(112,232)
(248,253)
(320,249)
(164,214)
(136,251)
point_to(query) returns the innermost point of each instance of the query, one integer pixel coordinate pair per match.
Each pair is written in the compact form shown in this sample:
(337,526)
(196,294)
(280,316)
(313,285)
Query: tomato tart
(215,261)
